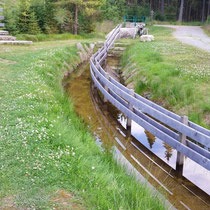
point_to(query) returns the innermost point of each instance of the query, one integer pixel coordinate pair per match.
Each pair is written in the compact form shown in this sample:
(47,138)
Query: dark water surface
(152,159)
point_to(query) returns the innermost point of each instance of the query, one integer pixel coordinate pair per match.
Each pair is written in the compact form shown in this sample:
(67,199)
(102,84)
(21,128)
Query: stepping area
(5,38)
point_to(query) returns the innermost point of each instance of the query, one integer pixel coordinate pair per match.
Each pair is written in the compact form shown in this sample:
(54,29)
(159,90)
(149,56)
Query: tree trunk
(189,15)
(162,7)
(203,11)
(76,20)
(208,13)
(181,11)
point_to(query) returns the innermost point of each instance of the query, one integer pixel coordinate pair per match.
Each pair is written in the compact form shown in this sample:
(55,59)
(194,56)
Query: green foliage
(159,16)
(87,25)
(114,10)
(208,20)
(11,20)
(23,18)
(64,20)
(53,16)
(142,9)
(33,26)
(171,11)
(49,37)
(87,10)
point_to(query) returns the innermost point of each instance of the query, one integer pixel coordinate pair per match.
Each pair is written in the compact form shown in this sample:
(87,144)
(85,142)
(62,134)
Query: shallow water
(149,156)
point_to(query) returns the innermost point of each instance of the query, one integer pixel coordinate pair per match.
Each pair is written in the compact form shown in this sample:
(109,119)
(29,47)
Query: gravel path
(192,35)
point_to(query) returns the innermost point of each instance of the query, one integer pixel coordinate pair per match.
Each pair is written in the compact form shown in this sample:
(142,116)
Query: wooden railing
(188,138)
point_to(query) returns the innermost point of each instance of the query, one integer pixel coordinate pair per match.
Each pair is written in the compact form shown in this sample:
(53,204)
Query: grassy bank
(190,23)
(48,158)
(175,75)
(206,28)
(56,37)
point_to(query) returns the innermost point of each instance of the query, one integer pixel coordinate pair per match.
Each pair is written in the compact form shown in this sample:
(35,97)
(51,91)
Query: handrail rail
(154,118)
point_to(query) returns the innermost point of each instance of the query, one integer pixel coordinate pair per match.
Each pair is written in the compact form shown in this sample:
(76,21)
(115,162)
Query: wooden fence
(188,138)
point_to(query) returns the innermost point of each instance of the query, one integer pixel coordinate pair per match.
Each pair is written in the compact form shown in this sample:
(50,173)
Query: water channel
(151,159)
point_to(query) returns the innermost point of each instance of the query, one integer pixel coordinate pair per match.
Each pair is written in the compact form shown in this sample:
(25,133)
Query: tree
(23,19)
(162,7)
(33,26)
(45,11)
(88,7)
(11,17)
(203,11)
(64,19)
(181,11)
(114,9)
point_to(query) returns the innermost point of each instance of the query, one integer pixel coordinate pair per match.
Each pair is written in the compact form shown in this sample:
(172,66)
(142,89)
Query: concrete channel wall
(188,138)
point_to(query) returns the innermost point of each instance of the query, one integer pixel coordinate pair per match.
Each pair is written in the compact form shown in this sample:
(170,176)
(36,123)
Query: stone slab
(17,42)
(7,38)
(4,32)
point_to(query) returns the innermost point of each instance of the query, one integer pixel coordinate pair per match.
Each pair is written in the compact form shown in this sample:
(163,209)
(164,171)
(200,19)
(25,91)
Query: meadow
(48,156)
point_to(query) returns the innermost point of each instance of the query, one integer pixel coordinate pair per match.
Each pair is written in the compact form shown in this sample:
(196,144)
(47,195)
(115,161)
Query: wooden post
(128,126)
(94,85)
(97,66)
(105,46)
(180,156)
(106,88)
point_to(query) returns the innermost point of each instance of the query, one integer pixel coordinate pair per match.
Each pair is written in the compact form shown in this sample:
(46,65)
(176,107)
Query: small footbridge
(188,138)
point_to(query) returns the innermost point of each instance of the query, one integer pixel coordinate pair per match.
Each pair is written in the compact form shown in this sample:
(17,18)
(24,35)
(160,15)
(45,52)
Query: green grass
(190,23)
(173,73)
(206,28)
(44,146)
(56,37)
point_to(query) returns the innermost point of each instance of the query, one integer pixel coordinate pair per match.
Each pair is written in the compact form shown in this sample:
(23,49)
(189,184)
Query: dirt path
(192,35)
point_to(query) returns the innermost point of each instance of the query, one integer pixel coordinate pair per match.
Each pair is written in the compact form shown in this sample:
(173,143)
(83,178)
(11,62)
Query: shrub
(159,16)
(208,20)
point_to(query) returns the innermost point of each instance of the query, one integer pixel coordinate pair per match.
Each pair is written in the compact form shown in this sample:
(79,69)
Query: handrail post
(130,106)
(106,88)
(180,156)
(106,49)
(94,85)
(97,66)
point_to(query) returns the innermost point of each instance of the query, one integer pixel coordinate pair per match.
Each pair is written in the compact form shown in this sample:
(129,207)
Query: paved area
(192,35)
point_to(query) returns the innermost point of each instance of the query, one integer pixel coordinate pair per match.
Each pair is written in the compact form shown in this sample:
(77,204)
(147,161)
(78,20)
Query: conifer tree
(23,20)
(33,26)
(89,7)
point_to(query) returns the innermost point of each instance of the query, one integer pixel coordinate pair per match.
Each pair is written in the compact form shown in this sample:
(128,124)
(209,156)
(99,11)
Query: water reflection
(168,152)
(150,138)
